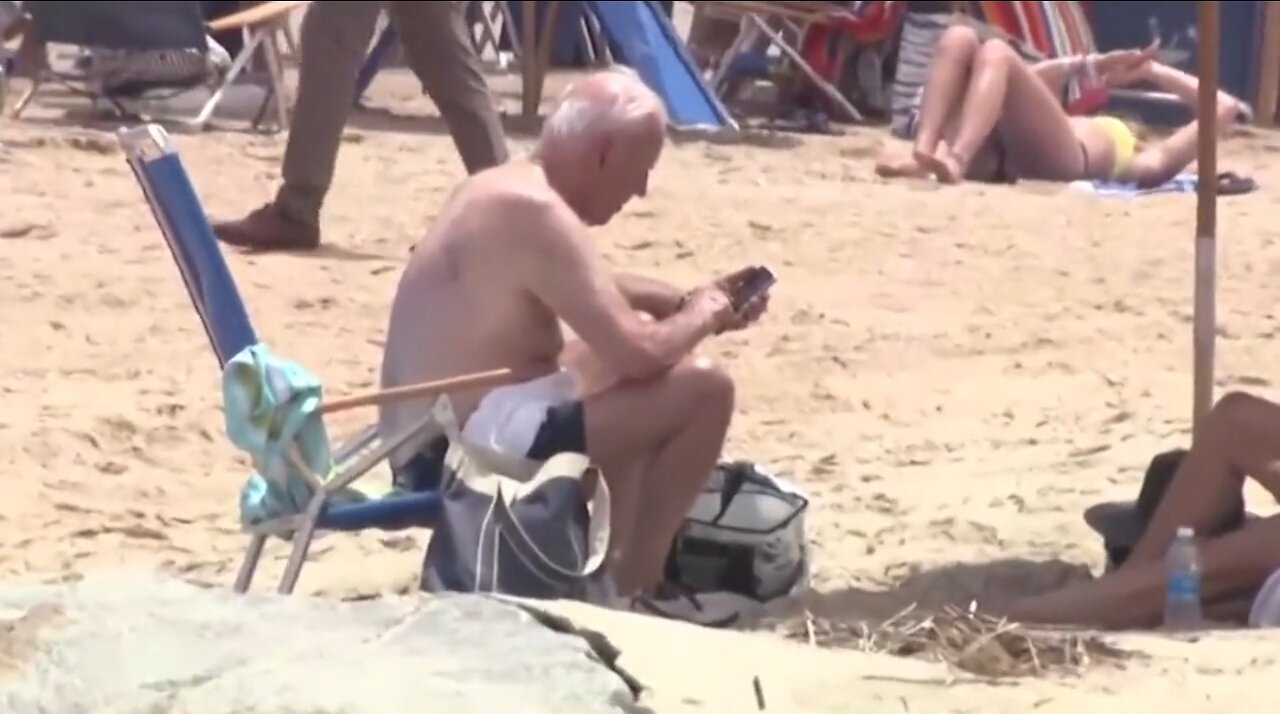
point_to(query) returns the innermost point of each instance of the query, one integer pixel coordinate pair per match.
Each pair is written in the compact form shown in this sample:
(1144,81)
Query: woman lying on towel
(1237,554)
(986,115)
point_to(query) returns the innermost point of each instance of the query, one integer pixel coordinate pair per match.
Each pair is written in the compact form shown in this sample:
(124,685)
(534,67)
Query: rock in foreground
(135,645)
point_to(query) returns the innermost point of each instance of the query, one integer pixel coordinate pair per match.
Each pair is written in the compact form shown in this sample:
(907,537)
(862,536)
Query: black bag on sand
(505,530)
(1122,523)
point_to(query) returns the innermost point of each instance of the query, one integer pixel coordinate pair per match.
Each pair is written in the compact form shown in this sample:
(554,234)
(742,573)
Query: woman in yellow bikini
(987,115)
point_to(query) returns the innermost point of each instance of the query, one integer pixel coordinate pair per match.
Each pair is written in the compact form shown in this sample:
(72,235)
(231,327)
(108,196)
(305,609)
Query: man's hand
(756,307)
(713,302)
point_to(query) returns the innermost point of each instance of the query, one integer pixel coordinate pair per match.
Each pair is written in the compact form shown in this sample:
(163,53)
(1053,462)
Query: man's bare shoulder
(523,210)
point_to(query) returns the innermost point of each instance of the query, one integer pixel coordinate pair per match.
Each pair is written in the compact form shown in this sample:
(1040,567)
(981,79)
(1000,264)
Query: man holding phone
(511,258)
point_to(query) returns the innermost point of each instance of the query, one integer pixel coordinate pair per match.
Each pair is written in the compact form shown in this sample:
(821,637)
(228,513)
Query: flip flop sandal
(1233,184)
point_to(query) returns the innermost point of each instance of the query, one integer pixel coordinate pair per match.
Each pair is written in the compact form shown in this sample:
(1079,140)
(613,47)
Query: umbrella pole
(1204,319)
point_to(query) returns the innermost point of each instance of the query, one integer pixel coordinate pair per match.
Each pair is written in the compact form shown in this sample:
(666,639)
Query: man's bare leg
(676,423)
(1238,437)
(1133,596)
(1241,435)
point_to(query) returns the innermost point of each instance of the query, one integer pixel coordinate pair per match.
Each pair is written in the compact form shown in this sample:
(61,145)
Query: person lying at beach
(986,115)
(1238,438)
(509,258)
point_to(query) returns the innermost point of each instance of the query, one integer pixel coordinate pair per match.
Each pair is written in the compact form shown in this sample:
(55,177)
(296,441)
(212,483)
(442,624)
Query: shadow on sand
(959,584)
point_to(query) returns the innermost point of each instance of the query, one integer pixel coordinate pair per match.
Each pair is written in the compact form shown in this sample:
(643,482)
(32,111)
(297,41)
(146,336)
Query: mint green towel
(270,403)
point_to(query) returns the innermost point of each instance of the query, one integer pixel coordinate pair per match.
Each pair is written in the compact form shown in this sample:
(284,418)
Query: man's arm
(562,270)
(655,297)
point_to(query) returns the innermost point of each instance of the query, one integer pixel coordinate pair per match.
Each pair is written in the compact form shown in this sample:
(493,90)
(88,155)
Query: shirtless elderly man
(509,258)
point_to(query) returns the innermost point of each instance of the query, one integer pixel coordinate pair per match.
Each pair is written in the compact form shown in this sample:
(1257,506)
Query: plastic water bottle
(1182,610)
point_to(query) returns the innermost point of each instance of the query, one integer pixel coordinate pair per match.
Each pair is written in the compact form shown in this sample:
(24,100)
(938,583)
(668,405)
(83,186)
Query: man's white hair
(608,100)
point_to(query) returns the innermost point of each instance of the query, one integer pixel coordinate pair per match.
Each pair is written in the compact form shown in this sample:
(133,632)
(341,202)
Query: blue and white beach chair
(325,503)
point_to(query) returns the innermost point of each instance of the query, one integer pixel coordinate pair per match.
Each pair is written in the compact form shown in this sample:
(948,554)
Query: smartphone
(760,280)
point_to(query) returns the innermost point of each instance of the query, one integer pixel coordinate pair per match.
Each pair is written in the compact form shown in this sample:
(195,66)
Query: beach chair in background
(815,39)
(177,36)
(493,28)
(330,503)
(265,26)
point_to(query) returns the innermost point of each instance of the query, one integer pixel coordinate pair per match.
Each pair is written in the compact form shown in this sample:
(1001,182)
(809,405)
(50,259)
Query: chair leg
(747,34)
(302,542)
(595,34)
(247,568)
(271,49)
(290,39)
(237,66)
(850,112)
(28,95)
(509,26)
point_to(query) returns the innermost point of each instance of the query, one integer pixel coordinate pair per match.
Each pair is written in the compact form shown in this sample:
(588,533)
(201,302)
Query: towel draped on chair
(272,410)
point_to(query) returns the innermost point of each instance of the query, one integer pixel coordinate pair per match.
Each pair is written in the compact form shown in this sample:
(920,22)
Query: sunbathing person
(1237,439)
(509,258)
(986,115)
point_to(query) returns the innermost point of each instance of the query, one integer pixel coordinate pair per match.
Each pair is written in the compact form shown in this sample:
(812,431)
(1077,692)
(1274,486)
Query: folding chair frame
(533,71)
(261,25)
(301,528)
(158,169)
(795,18)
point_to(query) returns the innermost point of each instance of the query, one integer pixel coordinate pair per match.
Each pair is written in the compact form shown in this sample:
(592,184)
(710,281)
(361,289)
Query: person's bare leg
(983,166)
(677,423)
(1240,436)
(900,167)
(949,68)
(1004,91)
(1133,596)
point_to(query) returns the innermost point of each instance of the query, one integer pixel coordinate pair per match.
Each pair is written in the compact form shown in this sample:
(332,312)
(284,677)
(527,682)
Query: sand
(954,373)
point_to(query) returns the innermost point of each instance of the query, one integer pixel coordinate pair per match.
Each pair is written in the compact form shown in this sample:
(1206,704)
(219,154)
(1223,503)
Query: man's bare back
(462,305)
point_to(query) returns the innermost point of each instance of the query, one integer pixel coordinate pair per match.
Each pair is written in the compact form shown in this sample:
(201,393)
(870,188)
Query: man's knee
(959,37)
(1241,410)
(710,385)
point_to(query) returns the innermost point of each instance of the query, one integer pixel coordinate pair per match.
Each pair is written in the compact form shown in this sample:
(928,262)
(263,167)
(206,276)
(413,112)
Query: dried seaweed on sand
(969,641)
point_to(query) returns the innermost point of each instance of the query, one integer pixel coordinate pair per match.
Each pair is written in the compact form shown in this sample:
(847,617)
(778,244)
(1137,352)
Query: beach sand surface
(953,373)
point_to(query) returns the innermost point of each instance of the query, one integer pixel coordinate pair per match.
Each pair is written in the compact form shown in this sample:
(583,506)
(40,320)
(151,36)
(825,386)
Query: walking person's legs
(335,38)
(438,48)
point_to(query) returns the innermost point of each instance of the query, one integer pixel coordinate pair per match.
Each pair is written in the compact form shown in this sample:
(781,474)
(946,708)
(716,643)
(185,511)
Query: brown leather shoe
(267,228)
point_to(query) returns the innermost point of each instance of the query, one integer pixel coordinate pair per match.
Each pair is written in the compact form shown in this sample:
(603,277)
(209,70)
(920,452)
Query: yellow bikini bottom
(1124,141)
